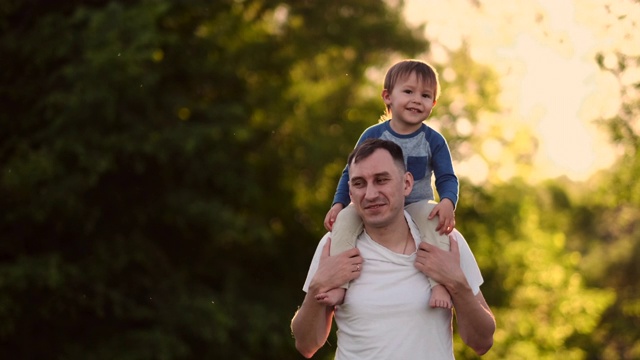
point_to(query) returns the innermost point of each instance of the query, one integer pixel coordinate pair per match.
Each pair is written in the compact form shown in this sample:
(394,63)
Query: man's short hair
(369,146)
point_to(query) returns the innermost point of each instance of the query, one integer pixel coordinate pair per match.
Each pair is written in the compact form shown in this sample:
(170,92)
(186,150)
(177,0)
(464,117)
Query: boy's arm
(342,191)
(446,182)
(340,200)
(332,215)
(446,216)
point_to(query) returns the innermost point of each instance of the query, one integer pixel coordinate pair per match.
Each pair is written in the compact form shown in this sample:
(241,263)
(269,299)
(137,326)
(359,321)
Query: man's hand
(333,271)
(446,216)
(440,265)
(331,216)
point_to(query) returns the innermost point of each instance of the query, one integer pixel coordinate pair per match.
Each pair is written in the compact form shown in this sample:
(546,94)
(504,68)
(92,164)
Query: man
(385,313)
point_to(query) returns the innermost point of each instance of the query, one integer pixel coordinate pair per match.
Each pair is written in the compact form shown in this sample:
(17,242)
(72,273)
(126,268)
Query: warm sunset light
(544,52)
(170,180)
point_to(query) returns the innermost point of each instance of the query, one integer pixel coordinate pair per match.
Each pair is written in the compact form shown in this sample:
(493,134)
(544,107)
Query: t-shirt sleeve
(468,263)
(315,262)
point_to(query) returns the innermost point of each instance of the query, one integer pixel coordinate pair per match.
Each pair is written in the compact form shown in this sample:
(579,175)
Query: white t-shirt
(385,314)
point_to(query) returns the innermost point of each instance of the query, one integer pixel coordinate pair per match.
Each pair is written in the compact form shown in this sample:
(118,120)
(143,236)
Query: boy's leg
(420,211)
(346,228)
(333,297)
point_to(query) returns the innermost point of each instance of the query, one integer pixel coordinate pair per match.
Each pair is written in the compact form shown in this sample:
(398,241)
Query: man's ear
(434,102)
(408,183)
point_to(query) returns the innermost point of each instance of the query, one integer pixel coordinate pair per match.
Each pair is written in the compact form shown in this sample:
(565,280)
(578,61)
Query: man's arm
(311,324)
(476,323)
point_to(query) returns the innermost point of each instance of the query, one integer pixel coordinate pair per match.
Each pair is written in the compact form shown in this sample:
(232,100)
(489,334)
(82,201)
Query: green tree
(518,231)
(156,158)
(607,231)
(534,285)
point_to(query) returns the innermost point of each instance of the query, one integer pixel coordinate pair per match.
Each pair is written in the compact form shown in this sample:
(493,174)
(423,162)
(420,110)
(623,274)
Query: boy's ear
(385,96)
(434,102)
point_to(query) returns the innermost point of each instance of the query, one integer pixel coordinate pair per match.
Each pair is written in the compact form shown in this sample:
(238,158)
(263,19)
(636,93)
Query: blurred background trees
(166,167)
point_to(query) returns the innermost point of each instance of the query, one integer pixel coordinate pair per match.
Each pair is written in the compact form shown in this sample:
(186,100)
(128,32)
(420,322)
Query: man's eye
(383,180)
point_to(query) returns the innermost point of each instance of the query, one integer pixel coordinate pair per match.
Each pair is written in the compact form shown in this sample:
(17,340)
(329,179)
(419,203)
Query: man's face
(378,187)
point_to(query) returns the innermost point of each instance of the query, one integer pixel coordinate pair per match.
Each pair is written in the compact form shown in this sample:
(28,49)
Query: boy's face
(410,102)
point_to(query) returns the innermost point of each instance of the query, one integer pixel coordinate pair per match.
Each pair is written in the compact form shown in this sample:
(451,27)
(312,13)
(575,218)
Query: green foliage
(155,157)
(166,165)
(603,231)
(534,285)
(607,232)
(468,89)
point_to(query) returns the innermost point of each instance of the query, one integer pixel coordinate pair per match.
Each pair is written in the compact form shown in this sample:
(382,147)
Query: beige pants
(348,226)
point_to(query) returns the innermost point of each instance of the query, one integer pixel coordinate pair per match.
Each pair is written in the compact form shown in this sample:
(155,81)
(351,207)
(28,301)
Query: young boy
(411,88)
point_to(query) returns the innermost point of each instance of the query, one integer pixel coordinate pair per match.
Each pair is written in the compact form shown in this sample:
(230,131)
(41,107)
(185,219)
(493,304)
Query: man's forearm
(476,323)
(311,325)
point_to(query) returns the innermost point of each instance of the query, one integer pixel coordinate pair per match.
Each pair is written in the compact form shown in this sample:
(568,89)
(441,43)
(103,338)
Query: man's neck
(392,236)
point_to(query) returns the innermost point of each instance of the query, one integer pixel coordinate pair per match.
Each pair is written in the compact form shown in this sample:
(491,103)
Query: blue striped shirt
(426,153)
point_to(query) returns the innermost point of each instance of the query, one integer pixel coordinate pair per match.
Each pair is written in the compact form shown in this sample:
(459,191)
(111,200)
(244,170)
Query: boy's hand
(332,215)
(446,216)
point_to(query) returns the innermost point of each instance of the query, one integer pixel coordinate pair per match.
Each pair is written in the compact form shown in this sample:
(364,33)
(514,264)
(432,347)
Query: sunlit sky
(547,67)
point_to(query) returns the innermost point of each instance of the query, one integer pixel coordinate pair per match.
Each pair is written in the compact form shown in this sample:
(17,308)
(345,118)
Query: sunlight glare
(544,52)
(474,168)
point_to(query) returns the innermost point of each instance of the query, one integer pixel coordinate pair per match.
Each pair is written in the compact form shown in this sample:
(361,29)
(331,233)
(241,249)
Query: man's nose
(372,192)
